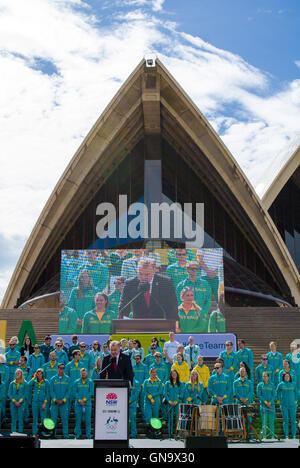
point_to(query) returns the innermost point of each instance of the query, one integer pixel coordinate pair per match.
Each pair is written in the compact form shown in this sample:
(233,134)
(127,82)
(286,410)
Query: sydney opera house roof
(152,118)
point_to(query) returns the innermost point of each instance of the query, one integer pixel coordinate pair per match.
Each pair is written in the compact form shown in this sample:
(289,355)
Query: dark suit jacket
(124,369)
(163,300)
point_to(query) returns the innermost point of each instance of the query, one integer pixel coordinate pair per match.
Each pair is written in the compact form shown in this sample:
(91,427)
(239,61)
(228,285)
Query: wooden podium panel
(143,326)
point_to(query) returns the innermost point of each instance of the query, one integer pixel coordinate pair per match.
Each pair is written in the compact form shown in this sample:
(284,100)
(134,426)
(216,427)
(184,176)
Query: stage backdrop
(211,345)
(184,285)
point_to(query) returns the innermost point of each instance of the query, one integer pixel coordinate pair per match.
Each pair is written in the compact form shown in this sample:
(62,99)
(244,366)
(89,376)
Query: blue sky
(62,61)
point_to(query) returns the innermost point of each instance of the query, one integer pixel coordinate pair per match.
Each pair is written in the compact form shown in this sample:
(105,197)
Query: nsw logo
(111,399)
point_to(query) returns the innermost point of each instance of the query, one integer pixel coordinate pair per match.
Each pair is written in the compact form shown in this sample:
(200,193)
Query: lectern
(111,414)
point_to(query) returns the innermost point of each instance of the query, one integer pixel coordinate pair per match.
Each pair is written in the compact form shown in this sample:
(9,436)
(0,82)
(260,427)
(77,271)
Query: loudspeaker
(19,442)
(206,442)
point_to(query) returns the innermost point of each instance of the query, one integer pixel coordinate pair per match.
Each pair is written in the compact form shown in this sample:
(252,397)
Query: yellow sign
(145,340)
(3,325)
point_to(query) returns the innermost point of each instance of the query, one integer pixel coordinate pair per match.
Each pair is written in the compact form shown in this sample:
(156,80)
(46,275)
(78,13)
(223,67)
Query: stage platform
(167,444)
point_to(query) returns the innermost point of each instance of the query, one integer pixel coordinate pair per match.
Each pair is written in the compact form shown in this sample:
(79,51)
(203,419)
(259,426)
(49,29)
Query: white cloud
(61,66)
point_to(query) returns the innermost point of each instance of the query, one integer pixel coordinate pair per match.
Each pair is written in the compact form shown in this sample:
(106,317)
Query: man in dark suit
(154,295)
(118,365)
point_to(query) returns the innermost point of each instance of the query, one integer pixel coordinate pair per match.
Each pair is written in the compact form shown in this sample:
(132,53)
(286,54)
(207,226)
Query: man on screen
(149,294)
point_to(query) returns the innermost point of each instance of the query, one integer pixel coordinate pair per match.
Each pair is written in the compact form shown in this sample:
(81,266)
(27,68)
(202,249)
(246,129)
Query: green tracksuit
(266,394)
(114,301)
(173,394)
(83,304)
(62,357)
(141,373)
(259,371)
(177,273)
(35,362)
(133,402)
(217,322)
(243,390)
(193,394)
(72,370)
(193,322)
(4,375)
(220,386)
(46,350)
(153,391)
(38,394)
(49,370)
(11,357)
(149,360)
(276,362)
(99,274)
(287,395)
(17,393)
(86,361)
(83,390)
(161,371)
(246,356)
(3,393)
(202,295)
(92,325)
(60,388)
(295,366)
(67,321)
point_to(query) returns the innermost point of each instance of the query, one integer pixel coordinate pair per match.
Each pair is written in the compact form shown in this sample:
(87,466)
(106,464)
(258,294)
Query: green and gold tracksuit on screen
(202,294)
(194,321)
(217,322)
(92,325)
(114,301)
(67,321)
(177,273)
(99,274)
(82,304)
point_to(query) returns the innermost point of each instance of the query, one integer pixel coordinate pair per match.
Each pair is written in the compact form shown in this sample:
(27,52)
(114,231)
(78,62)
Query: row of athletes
(221,385)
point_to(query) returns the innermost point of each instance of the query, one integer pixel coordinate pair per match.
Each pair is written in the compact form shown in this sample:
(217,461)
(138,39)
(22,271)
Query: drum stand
(266,430)
(251,431)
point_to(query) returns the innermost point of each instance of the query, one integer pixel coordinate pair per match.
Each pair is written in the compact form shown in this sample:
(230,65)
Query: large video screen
(185,286)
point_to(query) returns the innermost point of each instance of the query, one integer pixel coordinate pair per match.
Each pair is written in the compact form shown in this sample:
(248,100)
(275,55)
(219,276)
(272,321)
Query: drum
(208,420)
(184,422)
(250,411)
(232,417)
